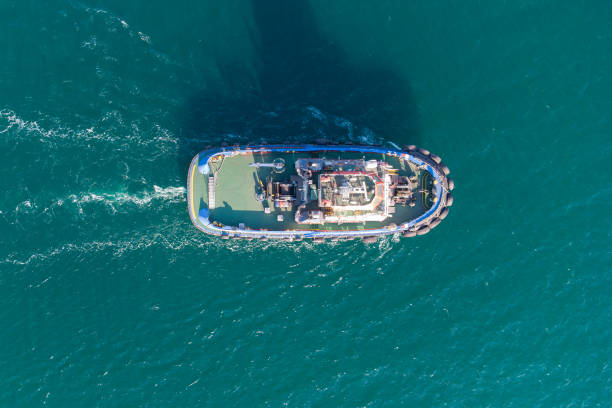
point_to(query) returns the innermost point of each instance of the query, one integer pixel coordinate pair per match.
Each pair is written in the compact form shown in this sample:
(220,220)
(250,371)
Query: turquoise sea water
(109,297)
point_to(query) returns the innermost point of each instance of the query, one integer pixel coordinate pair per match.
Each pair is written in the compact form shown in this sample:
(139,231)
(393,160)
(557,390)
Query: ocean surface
(109,297)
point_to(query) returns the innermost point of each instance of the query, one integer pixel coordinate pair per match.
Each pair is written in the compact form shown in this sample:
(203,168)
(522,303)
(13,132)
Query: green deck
(236,186)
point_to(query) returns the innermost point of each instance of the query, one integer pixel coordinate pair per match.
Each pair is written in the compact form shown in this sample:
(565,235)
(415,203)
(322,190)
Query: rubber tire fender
(443,213)
(369,240)
(434,223)
(423,230)
(449,200)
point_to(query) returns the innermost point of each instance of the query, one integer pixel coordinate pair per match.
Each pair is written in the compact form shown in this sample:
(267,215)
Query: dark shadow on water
(303,90)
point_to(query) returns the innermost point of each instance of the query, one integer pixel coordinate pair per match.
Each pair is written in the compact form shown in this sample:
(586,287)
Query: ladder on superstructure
(211,192)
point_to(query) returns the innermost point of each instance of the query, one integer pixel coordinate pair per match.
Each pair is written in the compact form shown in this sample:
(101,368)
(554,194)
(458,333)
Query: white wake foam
(168,194)
(9,121)
(83,203)
(110,128)
(317,114)
(354,133)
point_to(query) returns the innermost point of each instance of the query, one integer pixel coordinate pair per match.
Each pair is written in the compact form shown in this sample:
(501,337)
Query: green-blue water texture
(109,297)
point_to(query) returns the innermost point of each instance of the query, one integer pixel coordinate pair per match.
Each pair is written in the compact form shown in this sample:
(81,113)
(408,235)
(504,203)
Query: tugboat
(317,192)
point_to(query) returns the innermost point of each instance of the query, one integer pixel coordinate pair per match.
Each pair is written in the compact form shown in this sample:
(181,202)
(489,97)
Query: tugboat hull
(318,192)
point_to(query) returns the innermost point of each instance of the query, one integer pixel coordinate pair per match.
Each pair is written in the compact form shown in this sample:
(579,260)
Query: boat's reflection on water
(299,87)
